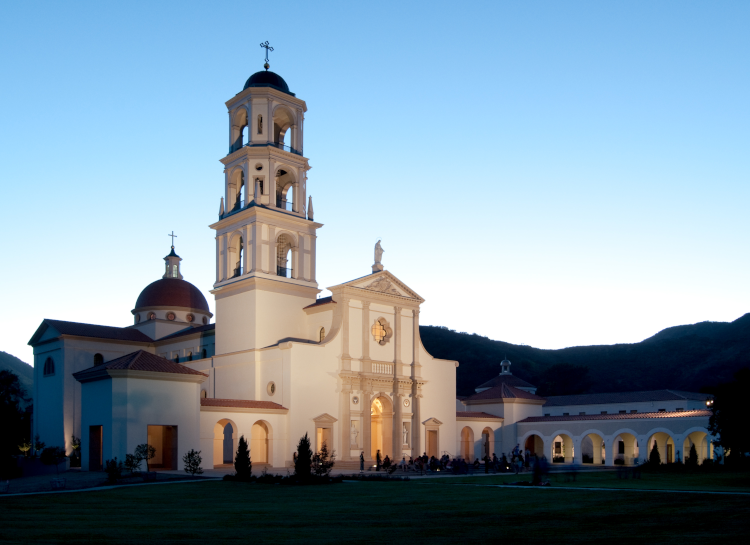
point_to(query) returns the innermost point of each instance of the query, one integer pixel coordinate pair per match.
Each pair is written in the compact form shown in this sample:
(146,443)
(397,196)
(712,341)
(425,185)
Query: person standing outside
(361,462)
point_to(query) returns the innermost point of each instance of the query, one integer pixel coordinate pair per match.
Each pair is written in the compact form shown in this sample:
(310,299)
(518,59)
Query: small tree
(243,466)
(113,469)
(654,459)
(692,459)
(145,452)
(132,463)
(37,445)
(25,448)
(53,456)
(324,461)
(304,458)
(192,461)
(75,444)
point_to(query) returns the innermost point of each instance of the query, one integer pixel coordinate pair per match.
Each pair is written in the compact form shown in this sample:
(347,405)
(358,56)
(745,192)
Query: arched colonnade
(226,439)
(624,446)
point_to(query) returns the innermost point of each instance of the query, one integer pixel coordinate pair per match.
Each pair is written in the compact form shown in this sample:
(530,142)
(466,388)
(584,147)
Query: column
(398,439)
(257,232)
(224,257)
(366,423)
(218,259)
(272,264)
(247,257)
(248,181)
(366,363)
(345,331)
(397,341)
(313,242)
(293,140)
(416,372)
(609,455)
(416,425)
(578,455)
(345,423)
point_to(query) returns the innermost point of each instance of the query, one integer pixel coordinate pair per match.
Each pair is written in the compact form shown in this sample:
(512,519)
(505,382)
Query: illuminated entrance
(381,427)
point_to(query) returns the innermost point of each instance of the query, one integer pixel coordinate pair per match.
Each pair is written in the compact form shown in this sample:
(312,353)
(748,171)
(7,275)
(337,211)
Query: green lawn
(435,511)
(723,481)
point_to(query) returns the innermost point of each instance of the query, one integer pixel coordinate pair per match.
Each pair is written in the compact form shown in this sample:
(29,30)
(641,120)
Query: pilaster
(366,362)
(367,421)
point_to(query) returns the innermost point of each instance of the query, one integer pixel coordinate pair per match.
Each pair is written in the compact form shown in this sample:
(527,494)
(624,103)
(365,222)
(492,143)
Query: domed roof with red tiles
(171,292)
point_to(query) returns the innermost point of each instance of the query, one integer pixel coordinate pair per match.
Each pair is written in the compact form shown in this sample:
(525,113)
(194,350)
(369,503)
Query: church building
(278,362)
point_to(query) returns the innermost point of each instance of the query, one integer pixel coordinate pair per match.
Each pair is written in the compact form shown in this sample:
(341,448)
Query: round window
(407,402)
(271,388)
(258,167)
(355,400)
(137,318)
(190,318)
(205,319)
(152,316)
(170,316)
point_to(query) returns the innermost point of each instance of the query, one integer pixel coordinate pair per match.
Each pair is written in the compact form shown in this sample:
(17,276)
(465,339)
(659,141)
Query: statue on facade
(406,435)
(354,433)
(378,266)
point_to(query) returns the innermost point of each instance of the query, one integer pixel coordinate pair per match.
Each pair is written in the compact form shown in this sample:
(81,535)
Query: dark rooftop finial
(267,48)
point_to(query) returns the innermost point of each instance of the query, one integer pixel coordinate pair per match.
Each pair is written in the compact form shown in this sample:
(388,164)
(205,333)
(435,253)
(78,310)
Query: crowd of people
(516,461)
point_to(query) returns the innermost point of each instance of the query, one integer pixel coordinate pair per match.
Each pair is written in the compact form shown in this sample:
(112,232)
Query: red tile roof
(240,403)
(618,416)
(139,361)
(77,329)
(510,380)
(321,301)
(504,391)
(624,397)
(477,415)
(209,328)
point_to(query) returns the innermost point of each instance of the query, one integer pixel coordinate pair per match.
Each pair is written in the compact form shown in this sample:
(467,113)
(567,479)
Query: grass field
(434,511)
(716,482)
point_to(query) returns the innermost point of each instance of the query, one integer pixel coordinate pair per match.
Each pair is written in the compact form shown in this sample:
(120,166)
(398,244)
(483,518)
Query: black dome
(172,292)
(268,79)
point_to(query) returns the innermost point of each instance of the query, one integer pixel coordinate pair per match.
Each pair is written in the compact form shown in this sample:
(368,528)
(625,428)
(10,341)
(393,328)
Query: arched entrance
(625,448)
(467,444)
(592,449)
(533,445)
(225,442)
(562,449)
(488,443)
(381,426)
(665,446)
(259,444)
(703,447)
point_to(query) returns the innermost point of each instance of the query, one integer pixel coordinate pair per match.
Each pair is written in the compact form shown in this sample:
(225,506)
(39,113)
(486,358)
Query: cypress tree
(654,458)
(243,467)
(304,459)
(692,460)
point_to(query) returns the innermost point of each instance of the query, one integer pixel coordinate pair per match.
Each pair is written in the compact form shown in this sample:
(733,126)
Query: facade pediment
(325,418)
(432,422)
(384,283)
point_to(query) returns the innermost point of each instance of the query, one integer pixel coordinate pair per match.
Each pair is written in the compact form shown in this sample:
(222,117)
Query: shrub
(145,452)
(654,459)
(586,459)
(243,466)
(192,461)
(324,461)
(304,458)
(692,459)
(113,469)
(132,463)
(52,456)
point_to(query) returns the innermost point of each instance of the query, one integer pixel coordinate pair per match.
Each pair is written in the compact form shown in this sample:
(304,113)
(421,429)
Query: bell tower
(265,235)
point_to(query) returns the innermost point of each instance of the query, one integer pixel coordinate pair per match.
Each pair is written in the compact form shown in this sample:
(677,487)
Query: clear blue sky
(548,173)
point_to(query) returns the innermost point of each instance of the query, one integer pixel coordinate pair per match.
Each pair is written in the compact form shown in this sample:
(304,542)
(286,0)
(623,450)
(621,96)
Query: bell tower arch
(265,233)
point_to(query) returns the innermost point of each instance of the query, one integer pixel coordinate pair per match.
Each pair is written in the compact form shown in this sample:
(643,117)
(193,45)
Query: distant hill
(687,357)
(24,371)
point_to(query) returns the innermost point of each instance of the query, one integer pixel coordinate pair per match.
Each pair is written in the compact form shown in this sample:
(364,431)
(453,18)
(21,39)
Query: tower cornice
(269,216)
(264,92)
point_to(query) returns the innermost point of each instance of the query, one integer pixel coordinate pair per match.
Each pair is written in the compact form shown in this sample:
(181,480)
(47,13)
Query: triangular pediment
(383,282)
(324,418)
(44,332)
(432,422)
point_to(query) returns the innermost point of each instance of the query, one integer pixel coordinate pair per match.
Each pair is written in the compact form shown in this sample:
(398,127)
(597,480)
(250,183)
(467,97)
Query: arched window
(204,353)
(283,257)
(98,359)
(322,334)
(49,367)
(240,251)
